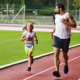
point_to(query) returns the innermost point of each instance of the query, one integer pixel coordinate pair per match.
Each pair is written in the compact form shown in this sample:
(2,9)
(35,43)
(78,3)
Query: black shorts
(61,43)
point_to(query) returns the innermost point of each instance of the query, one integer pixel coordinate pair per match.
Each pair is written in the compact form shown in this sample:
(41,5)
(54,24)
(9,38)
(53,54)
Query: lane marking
(9,40)
(17,39)
(36,57)
(48,69)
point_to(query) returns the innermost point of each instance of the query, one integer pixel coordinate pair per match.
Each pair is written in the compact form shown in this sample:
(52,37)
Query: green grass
(75,39)
(12,48)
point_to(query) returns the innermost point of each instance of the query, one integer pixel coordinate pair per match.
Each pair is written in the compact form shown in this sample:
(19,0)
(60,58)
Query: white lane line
(9,40)
(35,29)
(48,69)
(11,28)
(36,57)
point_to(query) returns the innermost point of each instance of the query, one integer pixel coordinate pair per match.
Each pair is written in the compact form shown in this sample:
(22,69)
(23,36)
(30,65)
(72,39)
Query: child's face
(29,27)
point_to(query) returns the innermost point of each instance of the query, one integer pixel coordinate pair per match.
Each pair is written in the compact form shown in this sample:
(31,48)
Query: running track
(48,28)
(43,68)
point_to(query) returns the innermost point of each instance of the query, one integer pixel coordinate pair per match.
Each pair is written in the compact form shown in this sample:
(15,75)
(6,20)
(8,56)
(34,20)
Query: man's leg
(56,61)
(65,48)
(65,56)
(56,58)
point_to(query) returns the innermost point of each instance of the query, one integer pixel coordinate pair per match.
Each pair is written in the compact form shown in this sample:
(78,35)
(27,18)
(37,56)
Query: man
(62,32)
(54,15)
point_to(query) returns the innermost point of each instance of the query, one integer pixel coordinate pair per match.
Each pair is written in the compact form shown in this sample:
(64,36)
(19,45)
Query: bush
(46,11)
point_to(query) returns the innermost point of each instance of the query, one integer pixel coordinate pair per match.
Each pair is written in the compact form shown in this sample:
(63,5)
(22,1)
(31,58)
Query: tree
(13,5)
(22,2)
(76,4)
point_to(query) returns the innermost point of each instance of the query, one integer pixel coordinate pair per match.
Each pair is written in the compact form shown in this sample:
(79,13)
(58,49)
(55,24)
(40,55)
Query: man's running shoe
(56,73)
(66,69)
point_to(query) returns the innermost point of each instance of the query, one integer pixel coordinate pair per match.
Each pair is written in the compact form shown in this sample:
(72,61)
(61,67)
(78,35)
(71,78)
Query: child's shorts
(29,48)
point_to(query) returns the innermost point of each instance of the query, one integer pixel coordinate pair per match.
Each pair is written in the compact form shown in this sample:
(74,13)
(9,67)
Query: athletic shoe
(66,69)
(32,59)
(29,69)
(56,73)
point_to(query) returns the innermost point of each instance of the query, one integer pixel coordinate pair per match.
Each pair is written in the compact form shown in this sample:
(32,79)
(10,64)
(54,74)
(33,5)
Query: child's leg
(29,55)
(30,58)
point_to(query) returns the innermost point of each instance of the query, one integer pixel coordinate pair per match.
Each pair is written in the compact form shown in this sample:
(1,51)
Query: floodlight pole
(56,2)
(35,16)
(7,13)
(24,14)
(79,11)
(1,15)
(67,5)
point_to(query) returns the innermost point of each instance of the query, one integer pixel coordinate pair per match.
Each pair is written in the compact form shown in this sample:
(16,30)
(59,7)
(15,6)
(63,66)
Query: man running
(62,32)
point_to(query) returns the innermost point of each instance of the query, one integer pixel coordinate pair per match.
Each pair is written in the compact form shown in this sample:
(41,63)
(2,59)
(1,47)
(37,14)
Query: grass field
(12,48)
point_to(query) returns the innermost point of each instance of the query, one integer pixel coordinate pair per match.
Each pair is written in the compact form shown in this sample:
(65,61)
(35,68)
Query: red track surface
(35,27)
(45,64)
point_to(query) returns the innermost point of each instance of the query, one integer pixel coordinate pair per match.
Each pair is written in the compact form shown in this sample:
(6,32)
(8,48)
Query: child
(28,36)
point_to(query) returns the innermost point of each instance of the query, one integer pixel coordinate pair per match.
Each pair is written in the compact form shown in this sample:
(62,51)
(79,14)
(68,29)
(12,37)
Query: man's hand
(69,21)
(51,35)
(62,20)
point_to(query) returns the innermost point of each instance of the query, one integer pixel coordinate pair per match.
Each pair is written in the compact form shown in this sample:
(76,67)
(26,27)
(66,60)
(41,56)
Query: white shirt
(31,39)
(62,30)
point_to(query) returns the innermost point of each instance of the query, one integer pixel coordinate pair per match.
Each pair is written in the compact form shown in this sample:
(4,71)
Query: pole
(7,13)
(35,16)
(67,5)
(79,11)
(24,13)
(56,2)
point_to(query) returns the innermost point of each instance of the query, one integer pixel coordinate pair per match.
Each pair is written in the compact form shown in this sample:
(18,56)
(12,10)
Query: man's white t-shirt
(62,30)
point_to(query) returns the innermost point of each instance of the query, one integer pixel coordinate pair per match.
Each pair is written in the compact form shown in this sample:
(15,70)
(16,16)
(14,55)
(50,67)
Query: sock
(29,65)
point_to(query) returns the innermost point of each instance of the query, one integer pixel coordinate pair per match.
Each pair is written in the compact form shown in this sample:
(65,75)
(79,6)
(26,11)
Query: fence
(20,15)
(12,14)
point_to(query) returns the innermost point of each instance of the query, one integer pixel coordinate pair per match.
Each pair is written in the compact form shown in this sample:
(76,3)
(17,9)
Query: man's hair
(60,5)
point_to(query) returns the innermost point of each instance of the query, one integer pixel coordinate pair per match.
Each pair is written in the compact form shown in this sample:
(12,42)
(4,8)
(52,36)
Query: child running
(29,35)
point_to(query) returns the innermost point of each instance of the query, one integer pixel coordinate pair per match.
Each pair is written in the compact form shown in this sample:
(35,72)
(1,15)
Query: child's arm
(24,38)
(36,39)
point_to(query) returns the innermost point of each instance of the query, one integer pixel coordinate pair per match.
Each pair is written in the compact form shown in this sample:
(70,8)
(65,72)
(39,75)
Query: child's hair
(24,27)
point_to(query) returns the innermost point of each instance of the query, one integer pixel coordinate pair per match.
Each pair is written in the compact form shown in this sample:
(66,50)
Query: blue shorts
(61,43)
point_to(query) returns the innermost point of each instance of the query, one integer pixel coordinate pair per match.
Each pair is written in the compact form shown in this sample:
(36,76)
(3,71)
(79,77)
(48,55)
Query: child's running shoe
(29,69)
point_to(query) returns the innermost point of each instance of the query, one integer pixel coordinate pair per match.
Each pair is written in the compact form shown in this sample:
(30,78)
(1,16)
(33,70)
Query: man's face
(57,10)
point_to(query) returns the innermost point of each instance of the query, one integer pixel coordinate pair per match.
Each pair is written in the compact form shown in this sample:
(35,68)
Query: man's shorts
(29,48)
(61,43)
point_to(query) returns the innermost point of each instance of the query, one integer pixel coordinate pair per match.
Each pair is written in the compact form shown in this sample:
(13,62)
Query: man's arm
(70,21)
(54,28)
(53,32)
